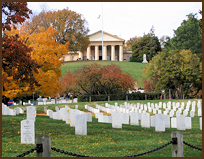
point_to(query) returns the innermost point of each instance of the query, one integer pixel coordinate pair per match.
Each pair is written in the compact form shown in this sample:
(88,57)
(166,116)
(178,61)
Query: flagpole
(102,30)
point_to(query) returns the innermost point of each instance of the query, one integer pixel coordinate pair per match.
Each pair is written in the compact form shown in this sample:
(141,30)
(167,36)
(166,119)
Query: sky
(128,19)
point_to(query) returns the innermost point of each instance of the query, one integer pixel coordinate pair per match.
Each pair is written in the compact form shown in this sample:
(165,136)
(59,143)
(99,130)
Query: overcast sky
(128,19)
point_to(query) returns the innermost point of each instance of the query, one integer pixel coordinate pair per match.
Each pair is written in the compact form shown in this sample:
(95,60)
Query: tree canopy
(148,45)
(70,26)
(188,36)
(180,71)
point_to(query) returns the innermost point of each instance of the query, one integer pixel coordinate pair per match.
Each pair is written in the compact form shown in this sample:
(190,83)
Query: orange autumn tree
(48,53)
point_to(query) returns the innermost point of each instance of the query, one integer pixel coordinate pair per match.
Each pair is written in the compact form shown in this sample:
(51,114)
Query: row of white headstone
(24,103)
(45,101)
(73,117)
(155,108)
(120,115)
(7,111)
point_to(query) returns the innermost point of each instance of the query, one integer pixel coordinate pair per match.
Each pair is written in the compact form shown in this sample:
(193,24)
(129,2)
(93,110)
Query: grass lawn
(102,140)
(134,68)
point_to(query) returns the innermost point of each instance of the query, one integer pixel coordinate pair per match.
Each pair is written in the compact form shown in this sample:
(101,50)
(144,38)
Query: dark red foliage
(13,13)
(16,60)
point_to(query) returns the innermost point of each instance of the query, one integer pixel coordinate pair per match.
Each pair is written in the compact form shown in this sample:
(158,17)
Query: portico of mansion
(112,49)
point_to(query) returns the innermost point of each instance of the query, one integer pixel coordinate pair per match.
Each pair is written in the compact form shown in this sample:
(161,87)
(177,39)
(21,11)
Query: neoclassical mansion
(112,49)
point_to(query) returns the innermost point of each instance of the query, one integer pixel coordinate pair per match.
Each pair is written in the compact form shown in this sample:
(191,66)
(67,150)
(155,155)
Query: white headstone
(56,115)
(134,118)
(125,118)
(12,112)
(109,119)
(105,119)
(199,112)
(181,122)
(63,111)
(81,124)
(188,122)
(89,117)
(178,113)
(31,113)
(73,113)
(48,112)
(164,105)
(139,116)
(173,123)
(27,132)
(116,119)
(160,122)
(76,106)
(100,117)
(51,114)
(21,111)
(171,113)
(45,110)
(185,113)
(145,120)
(17,109)
(167,121)
(4,109)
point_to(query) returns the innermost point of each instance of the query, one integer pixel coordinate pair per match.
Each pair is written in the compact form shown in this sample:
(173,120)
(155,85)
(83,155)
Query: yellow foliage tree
(47,53)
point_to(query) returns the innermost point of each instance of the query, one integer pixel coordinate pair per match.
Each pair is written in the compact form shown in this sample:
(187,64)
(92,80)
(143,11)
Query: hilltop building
(112,49)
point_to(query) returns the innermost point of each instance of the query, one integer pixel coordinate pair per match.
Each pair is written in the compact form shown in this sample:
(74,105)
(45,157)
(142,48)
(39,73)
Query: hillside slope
(134,68)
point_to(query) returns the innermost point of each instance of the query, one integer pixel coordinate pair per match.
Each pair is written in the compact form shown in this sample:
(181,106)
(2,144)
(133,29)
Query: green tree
(188,36)
(177,70)
(149,44)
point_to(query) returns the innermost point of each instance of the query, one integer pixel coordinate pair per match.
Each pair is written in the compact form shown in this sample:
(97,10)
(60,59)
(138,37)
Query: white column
(121,53)
(112,52)
(104,52)
(89,52)
(96,53)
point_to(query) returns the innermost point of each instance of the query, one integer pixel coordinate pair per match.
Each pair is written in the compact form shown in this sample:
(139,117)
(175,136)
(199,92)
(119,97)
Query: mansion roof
(97,36)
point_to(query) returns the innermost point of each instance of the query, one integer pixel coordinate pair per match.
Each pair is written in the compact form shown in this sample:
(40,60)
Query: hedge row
(115,97)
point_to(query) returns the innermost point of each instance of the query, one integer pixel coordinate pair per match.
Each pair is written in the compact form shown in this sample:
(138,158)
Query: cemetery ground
(101,140)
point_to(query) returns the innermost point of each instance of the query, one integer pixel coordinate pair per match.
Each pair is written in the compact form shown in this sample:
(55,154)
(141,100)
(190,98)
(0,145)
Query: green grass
(134,68)
(101,140)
